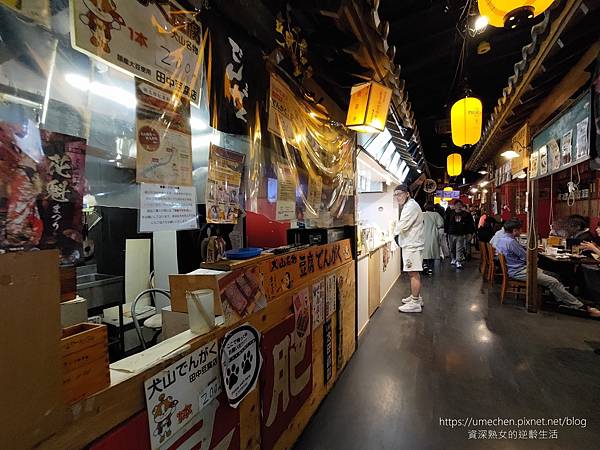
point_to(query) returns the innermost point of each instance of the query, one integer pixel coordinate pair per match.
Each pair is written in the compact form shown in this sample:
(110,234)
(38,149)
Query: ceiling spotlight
(510,154)
(482,172)
(481,23)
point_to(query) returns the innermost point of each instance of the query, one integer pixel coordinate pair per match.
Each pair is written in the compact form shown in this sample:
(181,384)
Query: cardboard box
(30,331)
(73,312)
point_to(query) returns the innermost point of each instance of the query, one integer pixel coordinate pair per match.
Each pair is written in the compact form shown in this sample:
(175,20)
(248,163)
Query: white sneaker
(411,307)
(453,262)
(459,265)
(410,298)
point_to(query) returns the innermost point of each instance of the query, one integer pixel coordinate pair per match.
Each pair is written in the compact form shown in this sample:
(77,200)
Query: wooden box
(85,361)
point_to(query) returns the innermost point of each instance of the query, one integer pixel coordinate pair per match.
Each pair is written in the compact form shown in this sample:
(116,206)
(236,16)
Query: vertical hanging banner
(583,142)
(160,42)
(225,168)
(178,393)
(41,190)
(236,77)
(330,296)
(164,139)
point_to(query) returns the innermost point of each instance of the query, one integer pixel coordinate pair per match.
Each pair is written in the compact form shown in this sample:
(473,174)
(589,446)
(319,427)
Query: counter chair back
(483,254)
(509,285)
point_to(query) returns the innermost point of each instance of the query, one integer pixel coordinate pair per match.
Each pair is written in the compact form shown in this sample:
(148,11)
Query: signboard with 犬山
(160,42)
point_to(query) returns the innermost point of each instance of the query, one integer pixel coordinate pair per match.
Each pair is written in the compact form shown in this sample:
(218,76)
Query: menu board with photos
(564,142)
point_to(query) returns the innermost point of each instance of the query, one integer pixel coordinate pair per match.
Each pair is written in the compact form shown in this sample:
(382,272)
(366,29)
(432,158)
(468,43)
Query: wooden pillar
(532,232)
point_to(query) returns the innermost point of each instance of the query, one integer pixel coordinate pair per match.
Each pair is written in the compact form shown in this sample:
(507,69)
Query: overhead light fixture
(454,164)
(369,105)
(521,174)
(483,47)
(511,13)
(474,190)
(482,172)
(465,121)
(481,23)
(510,154)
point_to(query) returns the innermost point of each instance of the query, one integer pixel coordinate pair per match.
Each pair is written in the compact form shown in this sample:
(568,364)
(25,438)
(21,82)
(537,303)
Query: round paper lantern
(454,164)
(510,13)
(465,121)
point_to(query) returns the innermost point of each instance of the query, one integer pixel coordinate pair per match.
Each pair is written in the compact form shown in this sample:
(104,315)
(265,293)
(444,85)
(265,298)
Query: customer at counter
(516,261)
(578,229)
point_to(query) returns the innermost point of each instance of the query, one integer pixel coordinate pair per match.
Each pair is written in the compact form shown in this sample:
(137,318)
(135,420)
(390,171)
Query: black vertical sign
(339,335)
(328,350)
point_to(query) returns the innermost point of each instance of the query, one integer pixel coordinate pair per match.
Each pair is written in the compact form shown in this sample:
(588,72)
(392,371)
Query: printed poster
(555,156)
(175,395)
(164,139)
(286,193)
(315,190)
(283,109)
(543,160)
(240,362)
(167,208)
(225,168)
(327,351)
(160,42)
(330,296)
(42,185)
(567,147)
(583,143)
(533,164)
(301,312)
(318,303)
(241,294)
(285,379)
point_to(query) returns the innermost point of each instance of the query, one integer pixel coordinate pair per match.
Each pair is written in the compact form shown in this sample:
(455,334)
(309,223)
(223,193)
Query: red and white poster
(41,190)
(285,378)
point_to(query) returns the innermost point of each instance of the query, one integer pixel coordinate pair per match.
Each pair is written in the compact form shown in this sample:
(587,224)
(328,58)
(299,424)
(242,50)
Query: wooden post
(532,299)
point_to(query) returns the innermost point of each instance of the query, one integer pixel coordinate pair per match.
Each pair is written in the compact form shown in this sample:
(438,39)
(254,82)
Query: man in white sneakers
(410,238)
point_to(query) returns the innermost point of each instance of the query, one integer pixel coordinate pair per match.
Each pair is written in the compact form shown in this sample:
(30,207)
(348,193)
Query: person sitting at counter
(516,261)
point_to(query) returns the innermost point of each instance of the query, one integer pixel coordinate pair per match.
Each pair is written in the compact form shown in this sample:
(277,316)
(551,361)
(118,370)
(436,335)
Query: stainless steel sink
(99,289)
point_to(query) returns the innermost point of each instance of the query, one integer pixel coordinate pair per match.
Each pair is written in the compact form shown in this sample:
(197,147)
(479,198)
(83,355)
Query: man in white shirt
(410,238)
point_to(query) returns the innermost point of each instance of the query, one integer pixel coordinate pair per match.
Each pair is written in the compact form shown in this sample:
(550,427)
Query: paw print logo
(247,362)
(232,375)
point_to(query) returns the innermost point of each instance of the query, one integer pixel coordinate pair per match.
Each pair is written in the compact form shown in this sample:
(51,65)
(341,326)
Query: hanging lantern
(454,164)
(447,189)
(465,121)
(511,13)
(368,110)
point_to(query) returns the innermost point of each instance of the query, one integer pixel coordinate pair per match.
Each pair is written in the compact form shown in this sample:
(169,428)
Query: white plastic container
(201,311)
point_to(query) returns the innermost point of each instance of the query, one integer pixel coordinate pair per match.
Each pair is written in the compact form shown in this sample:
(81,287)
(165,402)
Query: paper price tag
(210,393)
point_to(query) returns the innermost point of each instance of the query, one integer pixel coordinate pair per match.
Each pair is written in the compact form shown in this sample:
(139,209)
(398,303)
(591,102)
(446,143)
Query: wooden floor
(464,356)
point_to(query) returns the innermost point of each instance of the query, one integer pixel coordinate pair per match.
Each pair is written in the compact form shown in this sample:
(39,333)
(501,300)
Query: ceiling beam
(556,29)
(573,80)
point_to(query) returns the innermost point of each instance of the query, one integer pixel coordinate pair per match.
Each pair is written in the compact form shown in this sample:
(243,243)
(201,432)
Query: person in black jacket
(459,226)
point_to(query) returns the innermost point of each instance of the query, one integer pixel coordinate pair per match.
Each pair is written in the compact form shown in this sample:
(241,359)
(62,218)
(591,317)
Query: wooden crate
(85,361)
(68,283)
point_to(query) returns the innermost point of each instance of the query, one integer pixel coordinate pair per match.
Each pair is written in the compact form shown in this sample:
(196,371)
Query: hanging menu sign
(564,142)
(157,41)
